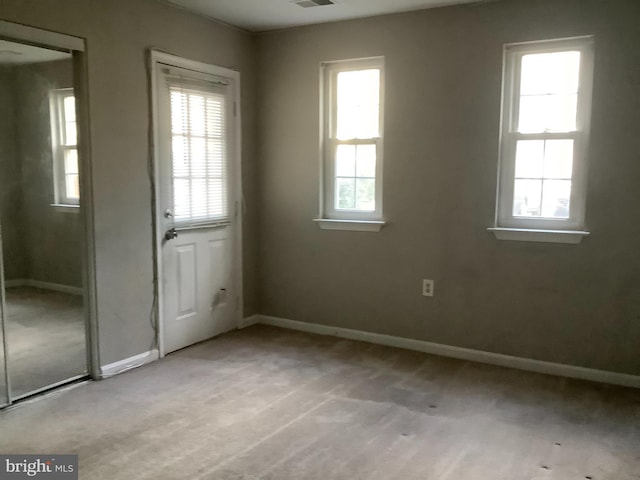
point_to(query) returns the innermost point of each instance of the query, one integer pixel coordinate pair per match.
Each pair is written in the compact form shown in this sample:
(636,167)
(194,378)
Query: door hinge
(235,109)
(235,213)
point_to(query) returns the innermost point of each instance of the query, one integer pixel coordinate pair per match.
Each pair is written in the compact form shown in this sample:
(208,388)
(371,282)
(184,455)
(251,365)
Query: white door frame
(156,57)
(77,47)
(5,381)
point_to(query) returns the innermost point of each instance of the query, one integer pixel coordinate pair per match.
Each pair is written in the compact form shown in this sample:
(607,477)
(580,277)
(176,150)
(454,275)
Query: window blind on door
(198,151)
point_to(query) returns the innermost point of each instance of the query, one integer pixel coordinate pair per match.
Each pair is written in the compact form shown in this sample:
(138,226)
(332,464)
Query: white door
(198,214)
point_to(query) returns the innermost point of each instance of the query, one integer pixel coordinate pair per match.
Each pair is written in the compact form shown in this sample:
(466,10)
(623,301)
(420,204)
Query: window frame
(59,147)
(347,219)
(509,136)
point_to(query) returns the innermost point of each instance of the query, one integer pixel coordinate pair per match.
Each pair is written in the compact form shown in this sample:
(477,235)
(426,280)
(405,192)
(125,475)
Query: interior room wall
(571,304)
(11,211)
(118,34)
(51,239)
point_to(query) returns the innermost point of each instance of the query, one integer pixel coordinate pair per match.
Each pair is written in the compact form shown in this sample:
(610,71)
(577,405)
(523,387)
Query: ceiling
(263,15)
(17,53)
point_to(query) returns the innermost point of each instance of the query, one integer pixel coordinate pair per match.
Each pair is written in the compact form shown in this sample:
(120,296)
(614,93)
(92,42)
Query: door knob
(171,234)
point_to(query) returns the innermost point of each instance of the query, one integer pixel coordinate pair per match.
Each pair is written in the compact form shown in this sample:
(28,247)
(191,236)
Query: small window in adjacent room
(65,147)
(352,145)
(544,139)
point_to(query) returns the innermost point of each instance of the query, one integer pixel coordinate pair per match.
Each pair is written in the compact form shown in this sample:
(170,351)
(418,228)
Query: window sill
(65,208)
(352,225)
(536,235)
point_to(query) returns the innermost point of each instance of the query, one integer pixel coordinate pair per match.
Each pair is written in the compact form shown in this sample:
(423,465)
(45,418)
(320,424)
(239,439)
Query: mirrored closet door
(42,234)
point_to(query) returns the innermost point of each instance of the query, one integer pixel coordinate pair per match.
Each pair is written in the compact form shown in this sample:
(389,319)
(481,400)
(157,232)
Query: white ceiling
(262,15)
(18,53)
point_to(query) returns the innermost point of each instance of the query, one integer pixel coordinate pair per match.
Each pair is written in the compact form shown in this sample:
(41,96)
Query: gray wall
(118,33)
(571,304)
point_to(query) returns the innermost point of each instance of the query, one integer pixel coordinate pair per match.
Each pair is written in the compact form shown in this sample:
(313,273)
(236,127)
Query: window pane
(178,112)
(366,161)
(179,156)
(529,158)
(545,73)
(198,198)
(556,195)
(527,198)
(198,156)
(215,157)
(357,103)
(196,115)
(71,161)
(558,159)
(70,133)
(345,193)
(215,125)
(366,194)
(69,120)
(181,198)
(217,193)
(69,109)
(72,186)
(346,161)
(547,113)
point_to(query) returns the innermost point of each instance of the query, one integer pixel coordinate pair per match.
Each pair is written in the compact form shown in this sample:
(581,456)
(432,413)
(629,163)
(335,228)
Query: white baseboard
(129,363)
(248,321)
(56,287)
(479,356)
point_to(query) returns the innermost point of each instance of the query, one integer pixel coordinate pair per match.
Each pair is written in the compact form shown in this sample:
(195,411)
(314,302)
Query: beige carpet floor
(267,403)
(45,338)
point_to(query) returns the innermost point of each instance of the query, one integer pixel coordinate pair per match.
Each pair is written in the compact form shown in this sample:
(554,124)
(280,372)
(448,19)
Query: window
(65,147)
(352,144)
(545,125)
(198,150)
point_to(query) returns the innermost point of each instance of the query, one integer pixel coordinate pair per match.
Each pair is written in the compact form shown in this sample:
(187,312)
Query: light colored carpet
(266,403)
(45,337)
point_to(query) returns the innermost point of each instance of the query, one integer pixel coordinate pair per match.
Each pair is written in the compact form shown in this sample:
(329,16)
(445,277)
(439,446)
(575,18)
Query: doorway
(197,199)
(44,277)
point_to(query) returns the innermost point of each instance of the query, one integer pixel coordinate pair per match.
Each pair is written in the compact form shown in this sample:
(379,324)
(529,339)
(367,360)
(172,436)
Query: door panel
(198,285)
(186,282)
(217,266)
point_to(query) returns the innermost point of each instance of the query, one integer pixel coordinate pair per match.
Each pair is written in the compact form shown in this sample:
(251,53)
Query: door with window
(196,208)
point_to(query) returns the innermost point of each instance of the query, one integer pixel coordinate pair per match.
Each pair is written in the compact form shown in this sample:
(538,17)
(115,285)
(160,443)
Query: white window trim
(36,36)
(507,226)
(533,235)
(61,203)
(330,217)
(64,208)
(352,225)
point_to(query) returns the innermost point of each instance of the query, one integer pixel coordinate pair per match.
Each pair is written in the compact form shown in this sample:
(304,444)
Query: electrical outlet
(427,288)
